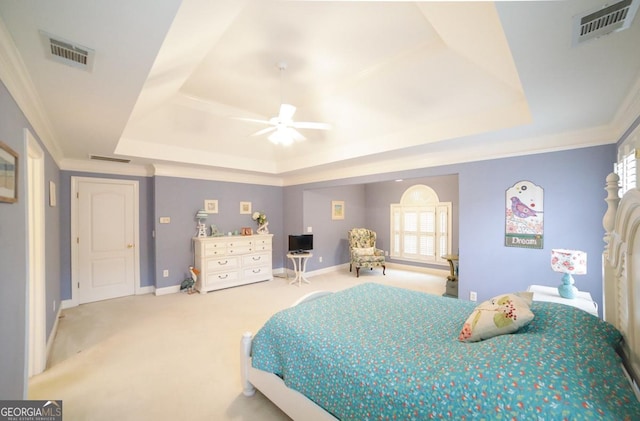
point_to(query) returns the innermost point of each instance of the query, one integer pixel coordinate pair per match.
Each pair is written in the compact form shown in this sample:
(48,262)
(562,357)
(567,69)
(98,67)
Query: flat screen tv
(300,243)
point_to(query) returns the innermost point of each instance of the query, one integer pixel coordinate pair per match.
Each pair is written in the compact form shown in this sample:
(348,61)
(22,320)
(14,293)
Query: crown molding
(628,112)
(104,167)
(597,136)
(14,75)
(216,175)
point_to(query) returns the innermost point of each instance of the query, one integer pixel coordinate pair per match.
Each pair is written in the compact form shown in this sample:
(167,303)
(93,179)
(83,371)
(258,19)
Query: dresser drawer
(222,264)
(256,259)
(213,279)
(257,272)
(261,243)
(239,249)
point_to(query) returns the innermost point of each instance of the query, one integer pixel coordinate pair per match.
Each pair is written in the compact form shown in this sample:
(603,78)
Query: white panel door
(107,224)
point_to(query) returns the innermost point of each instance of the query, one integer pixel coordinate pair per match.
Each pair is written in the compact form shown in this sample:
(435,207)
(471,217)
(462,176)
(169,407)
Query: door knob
(129,246)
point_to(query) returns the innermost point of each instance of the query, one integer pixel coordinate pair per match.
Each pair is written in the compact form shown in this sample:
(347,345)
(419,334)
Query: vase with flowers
(261,220)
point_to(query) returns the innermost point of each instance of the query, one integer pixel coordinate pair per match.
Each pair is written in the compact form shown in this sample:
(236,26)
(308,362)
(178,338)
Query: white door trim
(36,306)
(75,181)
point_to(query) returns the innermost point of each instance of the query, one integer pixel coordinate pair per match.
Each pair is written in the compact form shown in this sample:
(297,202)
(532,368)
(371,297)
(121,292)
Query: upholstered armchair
(363,251)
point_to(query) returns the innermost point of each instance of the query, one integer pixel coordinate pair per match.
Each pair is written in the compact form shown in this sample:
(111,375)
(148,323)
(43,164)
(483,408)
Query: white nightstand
(583,299)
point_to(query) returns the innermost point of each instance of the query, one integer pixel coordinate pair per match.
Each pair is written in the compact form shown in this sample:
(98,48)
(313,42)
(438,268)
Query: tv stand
(299,259)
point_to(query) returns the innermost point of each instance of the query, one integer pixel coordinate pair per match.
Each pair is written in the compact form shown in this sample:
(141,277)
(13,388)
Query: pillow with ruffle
(502,314)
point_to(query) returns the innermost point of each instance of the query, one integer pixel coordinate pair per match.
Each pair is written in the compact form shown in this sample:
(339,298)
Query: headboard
(621,264)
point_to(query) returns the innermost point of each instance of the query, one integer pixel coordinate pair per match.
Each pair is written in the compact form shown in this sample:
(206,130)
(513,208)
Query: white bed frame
(621,288)
(621,272)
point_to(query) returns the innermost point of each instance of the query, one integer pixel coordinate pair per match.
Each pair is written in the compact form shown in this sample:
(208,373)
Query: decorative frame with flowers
(245,208)
(211,206)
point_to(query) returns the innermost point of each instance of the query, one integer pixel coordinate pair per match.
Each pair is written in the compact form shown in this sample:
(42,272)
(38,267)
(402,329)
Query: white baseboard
(52,336)
(145,290)
(64,304)
(167,290)
(420,269)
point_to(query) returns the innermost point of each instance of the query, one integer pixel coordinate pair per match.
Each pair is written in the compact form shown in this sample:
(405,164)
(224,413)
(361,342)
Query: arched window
(420,226)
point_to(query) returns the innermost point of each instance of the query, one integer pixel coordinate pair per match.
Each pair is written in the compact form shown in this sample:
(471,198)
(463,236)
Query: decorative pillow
(364,251)
(500,315)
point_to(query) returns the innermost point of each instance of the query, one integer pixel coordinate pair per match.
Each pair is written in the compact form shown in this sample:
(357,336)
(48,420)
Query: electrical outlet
(473,296)
(320,259)
(54,305)
(386,252)
(165,273)
(309,229)
(165,220)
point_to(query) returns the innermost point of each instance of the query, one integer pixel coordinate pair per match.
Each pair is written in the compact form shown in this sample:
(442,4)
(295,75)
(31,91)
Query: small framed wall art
(247,231)
(337,209)
(211,206)
(52,194)
(8,174)
(245,208)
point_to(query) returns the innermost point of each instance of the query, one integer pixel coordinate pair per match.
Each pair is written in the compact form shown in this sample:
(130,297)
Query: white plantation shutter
(420,226)
(626,169)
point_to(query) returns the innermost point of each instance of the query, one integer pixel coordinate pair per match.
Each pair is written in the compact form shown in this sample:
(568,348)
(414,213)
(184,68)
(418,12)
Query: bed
(379,352)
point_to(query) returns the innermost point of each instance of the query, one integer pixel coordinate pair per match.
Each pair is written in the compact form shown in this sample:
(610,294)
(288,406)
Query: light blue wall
(573,183)
(14,254)
(180,199)
(329,235)
(574,206)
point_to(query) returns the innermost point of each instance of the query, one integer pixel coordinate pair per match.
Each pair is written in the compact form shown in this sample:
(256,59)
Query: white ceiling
(403,84)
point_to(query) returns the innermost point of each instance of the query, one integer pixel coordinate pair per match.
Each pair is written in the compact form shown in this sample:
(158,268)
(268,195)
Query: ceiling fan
(282,126)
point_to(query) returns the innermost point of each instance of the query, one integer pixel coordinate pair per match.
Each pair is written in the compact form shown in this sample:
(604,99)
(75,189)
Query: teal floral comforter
(377,352)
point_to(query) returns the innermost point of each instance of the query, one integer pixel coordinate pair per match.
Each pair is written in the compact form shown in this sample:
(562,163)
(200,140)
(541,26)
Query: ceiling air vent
(605,20)
(67,52)
(110,159)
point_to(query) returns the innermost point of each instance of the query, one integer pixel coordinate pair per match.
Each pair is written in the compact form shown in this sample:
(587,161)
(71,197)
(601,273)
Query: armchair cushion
(364,251)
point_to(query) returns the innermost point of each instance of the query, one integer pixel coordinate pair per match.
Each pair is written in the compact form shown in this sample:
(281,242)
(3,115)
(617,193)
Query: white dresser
(227,261)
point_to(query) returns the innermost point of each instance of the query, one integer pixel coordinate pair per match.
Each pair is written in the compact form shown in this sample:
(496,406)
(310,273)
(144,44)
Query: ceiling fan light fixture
(281,136)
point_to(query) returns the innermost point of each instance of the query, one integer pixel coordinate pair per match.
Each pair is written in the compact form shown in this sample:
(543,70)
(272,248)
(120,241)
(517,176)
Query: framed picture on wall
(211,206)
(337,209)
(524,215)
(52,194)
(245,208)
(8,174)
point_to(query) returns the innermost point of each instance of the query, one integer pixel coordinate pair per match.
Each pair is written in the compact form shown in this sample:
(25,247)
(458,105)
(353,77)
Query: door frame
(37,320)
(75,181)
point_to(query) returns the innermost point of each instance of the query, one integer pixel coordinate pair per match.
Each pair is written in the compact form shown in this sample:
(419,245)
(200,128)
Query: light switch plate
(165,220)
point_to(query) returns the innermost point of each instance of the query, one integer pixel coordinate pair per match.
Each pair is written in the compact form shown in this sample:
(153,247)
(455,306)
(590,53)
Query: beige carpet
(177,357)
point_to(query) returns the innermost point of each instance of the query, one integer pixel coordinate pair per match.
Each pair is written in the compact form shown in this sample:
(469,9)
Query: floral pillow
(500,315)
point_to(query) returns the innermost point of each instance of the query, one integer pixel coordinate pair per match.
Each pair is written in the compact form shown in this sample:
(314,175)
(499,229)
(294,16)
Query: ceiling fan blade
(296,135)
(252,120)
(286,112)
(263,131)
(310,125)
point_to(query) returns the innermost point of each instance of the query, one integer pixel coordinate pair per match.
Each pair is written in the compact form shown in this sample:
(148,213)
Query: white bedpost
(245,363)
(609,292)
